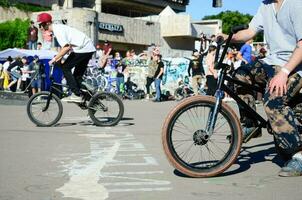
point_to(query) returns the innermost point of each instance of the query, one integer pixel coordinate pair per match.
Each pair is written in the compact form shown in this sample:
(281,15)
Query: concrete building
(133,24)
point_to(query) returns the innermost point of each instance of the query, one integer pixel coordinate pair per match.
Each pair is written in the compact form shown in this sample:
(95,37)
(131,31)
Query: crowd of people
(22,74)
(201,67)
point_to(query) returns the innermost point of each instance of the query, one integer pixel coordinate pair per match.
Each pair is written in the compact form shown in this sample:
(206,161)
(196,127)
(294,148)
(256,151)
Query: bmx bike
(202,136)
(45,108)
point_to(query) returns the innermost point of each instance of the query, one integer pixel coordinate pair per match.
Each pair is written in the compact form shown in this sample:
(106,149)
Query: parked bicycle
(185,90)
(46,109)
(202,136)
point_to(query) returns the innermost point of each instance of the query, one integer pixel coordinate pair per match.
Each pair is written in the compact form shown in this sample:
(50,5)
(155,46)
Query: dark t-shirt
(120,69)
(106,48)
(160,65)
(196,66)
(33,34)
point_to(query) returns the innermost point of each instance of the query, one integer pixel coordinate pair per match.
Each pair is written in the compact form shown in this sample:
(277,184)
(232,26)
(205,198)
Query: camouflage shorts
(280,115)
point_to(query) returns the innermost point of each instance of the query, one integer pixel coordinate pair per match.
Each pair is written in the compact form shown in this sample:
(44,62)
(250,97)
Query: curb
(13,98)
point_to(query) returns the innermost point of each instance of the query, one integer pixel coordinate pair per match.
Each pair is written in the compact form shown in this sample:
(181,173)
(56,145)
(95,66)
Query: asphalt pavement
(77,160)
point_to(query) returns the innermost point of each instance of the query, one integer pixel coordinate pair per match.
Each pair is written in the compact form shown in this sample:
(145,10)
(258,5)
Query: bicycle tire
(40,100)
(98,99)
(190,169)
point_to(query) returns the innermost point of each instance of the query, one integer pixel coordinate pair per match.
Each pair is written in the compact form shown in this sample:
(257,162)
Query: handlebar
(220,41)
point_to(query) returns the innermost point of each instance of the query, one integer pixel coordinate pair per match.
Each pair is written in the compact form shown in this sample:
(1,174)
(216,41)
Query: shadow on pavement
(247,158)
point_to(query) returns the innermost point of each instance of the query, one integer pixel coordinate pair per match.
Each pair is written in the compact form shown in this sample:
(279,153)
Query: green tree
(233,18)
(13,34)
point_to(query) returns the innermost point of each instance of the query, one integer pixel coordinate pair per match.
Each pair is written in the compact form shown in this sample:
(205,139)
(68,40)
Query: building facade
(133,24)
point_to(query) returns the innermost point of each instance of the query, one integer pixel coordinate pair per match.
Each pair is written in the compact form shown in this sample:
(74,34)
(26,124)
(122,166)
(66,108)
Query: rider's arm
(63,51)
(244,35)
(295,59)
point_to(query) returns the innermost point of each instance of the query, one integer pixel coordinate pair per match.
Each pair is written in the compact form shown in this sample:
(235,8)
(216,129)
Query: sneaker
(72,99)
(248,131)
(293,167)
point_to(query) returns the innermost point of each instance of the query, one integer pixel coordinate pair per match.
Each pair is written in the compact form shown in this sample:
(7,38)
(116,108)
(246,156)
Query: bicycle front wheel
(41,113)
(187,145)
(105,109)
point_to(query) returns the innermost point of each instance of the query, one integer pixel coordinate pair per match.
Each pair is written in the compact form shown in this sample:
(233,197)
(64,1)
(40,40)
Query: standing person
(15,71)
(107,48)
(82,50)
(32,33)
(5,73)
(212,73)
(280,72)
(119,73)
(36,71)
(39,46)
(197,71)
(152,67)
(25,78)
(246,52)
(1,76)
(158,76)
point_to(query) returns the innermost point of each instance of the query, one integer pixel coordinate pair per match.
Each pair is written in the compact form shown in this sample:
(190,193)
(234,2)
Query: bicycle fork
(47,102)
(214,113)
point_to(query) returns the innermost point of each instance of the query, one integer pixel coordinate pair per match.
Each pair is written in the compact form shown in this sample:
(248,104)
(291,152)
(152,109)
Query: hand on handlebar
(52,61)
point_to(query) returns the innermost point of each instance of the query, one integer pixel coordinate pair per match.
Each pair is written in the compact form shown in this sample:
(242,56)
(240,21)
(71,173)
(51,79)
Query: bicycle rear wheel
(105,109)
(185,142)
(41,114)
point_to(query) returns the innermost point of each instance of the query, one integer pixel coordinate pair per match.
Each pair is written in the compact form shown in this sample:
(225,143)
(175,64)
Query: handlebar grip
(235,29)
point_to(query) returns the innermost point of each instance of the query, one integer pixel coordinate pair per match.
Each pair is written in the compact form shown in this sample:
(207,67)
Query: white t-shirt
(5,66)
(80,42)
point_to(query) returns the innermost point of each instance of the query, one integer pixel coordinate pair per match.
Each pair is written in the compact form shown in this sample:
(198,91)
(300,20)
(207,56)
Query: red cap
(44,18)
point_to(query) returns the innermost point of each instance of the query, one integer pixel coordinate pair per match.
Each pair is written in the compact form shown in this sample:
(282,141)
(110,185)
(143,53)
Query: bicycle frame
(222,87)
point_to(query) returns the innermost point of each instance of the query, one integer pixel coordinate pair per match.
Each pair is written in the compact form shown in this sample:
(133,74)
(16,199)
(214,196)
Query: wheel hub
(200,137)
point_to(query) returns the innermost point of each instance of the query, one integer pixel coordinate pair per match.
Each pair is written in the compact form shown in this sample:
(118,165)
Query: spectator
(39,46)
(5,73)
(1,76)
(246,52)
(238,61)
(262,53)
(133,54)
(120,73)
(158,76)
(36,69)
(212,73)
(47,39)
(152,68)
(25,78)
(107,48)
(99,52)
(15,72)
(197,71)
(32,36)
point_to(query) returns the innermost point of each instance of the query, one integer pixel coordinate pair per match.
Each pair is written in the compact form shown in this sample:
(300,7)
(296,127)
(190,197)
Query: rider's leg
(281,117)
(282,120)
(79,61)
(250,74)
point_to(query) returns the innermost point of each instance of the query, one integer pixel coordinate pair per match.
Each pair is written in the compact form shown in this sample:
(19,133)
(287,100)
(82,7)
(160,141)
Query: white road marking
(84,181)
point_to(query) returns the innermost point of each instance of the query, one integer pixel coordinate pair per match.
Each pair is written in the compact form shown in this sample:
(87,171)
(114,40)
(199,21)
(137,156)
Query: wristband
(285,70)
(53,59)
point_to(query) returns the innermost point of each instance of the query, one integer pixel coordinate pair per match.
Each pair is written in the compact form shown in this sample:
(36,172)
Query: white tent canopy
(43,54)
